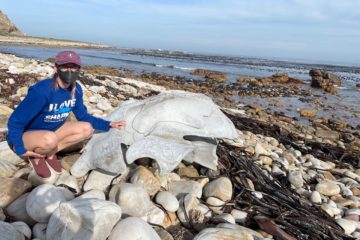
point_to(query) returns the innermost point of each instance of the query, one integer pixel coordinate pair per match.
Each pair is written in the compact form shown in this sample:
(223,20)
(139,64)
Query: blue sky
(325,30)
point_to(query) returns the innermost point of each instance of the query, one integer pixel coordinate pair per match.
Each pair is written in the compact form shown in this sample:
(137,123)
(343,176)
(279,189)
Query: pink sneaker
(41,168)
(54,163)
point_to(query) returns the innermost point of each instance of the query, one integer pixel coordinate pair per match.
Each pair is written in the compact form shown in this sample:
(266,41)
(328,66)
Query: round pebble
(168,201)
(327,188)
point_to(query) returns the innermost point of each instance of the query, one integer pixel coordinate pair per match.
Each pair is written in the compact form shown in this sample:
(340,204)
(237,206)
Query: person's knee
(87,130)
(49,140)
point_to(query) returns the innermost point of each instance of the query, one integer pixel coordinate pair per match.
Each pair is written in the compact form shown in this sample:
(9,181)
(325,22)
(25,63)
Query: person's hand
(118,125)
(32,154)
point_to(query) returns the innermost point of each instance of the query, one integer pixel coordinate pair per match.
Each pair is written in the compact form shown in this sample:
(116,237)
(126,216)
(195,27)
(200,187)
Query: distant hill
(7,27)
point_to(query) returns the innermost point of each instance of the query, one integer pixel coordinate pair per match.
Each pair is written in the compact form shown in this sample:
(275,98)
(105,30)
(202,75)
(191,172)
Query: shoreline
(48,42)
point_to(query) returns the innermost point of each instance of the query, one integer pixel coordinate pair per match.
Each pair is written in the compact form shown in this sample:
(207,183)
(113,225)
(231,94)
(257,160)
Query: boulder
(325,80)
(83,219)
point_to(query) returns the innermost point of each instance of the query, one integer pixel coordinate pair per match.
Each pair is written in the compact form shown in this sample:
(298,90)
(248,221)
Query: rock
(22,92)
(98,179)
(83,219)
(7,169)
(327,188)
(215,204)
(223,234)
(239,216)
(68,161)
(5,110)
(147,179)
(280,77)
(8,232)
(328,134)
(170,220)
(157,132)
(135,201)
(104,105)
(266,160)
(2,215)
(11,189)
(189,212)
(220,188)
(180,188)
(315,197)
(163,234)
(17,210)
(6,154)
(308,113)
(168,201)
(189,172)
(43,200)
(296,179)
(255,234)
(133,228)
(225,218)
(95,193)
(211,75)
(39,231)
(22,228)
(260,150)
(36,180)
(325,80)
(348,225)
(65,179)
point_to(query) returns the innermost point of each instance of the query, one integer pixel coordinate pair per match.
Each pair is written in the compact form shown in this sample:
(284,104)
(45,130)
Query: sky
(319,30)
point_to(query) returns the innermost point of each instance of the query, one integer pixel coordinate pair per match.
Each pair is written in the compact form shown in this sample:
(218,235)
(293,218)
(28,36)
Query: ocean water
(182,64)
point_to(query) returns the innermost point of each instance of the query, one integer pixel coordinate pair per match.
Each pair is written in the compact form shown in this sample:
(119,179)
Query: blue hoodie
(47,108)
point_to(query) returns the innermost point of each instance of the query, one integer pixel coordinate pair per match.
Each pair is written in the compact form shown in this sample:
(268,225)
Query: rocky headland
(278,180)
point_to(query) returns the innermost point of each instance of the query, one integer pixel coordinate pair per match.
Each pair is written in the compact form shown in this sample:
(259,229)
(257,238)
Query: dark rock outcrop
(325,80)
(7,27)
(212,76)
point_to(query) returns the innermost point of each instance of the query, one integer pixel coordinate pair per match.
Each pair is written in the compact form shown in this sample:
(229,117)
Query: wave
(120,60)
(174,67)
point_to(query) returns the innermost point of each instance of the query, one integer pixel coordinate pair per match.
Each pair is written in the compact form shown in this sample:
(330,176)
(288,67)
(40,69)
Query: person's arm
(27,110)
(81,113)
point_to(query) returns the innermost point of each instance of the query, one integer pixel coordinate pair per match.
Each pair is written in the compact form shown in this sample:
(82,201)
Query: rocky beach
(280,178)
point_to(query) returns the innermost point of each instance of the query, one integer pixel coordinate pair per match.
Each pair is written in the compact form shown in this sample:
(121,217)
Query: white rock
(2,215)
(260,150)
(327,188)
(65,179)
(167,200)
(6,154)
(8,232)
(17,210)
(215,204)
(95,193)
(135,201)
(97,179)
(315,197)
(180,188)
(43,200)
(255,234)
(83,219)
(223,234)
(156,131)
(295,178)
(98,89)
(23,228)
(104,105)
(133,228)
(220,188)
(39,231)
(189,206)
(239,216)
(349,226)
(7,169)
(352,211)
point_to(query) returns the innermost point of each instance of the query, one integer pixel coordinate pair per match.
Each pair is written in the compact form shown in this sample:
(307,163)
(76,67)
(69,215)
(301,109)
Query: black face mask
(68,77)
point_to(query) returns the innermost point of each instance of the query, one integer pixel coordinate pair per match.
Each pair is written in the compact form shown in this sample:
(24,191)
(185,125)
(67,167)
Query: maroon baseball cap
(67,57)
